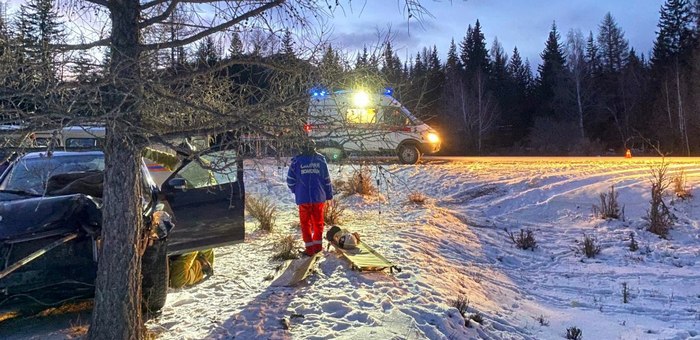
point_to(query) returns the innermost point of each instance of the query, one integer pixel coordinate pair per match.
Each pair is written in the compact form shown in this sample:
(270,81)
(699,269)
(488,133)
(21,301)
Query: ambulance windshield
(414,120)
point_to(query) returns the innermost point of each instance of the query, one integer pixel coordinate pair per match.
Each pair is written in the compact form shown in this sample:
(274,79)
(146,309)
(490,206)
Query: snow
(456,244)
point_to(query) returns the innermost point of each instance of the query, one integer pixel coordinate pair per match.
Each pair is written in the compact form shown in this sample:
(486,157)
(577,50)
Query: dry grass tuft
(333,212)
(589,247)
(77,329)
(659,216)
(680,187)
(417,197)
(70,307)
(287,249)
(609,207)
(525,240)
(574,333)
(263,210)
(338,184)
(361,183)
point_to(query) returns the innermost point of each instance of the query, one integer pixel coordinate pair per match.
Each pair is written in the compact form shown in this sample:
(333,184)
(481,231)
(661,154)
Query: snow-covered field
(456,245)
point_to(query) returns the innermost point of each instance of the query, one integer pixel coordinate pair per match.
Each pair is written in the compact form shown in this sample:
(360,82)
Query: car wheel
(408,154)
(155,273)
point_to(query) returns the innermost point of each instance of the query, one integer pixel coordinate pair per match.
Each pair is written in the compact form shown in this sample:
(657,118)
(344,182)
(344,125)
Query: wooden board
(294,271)
(364,258)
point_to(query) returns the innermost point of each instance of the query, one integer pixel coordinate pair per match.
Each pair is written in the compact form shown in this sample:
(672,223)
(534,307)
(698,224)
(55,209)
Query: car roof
(42,154)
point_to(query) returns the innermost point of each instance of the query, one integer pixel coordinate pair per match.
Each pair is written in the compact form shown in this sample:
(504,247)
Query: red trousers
(311,217)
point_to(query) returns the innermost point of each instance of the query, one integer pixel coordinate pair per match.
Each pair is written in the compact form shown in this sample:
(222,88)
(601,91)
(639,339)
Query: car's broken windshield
(31,175)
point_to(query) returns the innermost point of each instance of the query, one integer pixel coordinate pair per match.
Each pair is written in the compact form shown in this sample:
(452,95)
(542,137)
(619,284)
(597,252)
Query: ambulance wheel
(408,154)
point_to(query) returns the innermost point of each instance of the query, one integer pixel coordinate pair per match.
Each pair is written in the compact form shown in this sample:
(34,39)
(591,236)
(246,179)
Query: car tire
(408,154)
(155,273)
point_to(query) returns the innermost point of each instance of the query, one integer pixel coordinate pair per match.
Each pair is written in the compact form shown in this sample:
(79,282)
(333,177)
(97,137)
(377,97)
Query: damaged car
(50,222)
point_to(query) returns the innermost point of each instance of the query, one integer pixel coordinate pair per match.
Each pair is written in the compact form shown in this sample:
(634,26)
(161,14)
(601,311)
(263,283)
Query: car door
(207,198)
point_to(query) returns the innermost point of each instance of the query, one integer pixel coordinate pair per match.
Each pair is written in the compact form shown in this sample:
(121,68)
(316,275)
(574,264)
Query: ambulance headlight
(360,99)
(433,138)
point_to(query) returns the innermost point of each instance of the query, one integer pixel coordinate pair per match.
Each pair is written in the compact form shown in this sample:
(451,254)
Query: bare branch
(78,47)
(98,2)
(158,18)
(195,37)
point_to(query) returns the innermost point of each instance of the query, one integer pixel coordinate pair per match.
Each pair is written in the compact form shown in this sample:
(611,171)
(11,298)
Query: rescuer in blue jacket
(309,180)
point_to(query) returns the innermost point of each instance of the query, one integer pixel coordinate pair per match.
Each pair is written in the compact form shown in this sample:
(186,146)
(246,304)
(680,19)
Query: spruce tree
(288,44)
(593,61)
(207,53)
(474,54)
(39,28)
(452,64)
(613,45)
(551,78)
(518,71)
(362,60)
(499,62)
(235,47)
(675,36)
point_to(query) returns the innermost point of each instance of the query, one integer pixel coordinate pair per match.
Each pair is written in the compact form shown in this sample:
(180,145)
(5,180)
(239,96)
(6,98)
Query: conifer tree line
(591,93)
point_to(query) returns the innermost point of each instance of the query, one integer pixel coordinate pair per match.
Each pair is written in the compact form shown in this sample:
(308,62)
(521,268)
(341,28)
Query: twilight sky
(521,23)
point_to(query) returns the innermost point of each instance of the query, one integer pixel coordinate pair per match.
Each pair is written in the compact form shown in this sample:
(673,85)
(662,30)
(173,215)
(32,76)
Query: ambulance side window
(361,115)
(393,116)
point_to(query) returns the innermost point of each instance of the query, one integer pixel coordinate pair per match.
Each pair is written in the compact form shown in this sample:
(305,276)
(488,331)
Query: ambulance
(364,123)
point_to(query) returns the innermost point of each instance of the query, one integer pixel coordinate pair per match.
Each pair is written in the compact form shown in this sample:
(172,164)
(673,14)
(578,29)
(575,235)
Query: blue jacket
(309,180)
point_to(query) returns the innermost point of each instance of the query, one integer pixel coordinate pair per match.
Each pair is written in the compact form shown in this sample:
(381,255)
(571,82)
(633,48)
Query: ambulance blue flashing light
(321,92)
(318,92)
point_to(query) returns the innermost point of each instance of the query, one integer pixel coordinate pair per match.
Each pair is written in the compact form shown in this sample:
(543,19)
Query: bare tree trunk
(117,311)
(681,116)
(668,105)
(479,89)
(579,104)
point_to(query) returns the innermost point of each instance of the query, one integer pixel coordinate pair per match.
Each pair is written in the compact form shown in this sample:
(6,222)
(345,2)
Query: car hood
(28,217)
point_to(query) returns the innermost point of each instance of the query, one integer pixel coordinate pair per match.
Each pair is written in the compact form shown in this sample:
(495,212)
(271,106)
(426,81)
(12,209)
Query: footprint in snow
(335,308)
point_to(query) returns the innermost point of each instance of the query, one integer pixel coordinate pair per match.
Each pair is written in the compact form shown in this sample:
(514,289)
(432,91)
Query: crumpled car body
(50,223)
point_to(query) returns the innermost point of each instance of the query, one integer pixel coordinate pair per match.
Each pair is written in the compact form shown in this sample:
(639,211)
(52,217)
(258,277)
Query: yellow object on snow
(187,269)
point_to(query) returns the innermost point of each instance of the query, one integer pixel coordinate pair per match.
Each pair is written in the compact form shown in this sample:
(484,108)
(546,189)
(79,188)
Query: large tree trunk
(117,311)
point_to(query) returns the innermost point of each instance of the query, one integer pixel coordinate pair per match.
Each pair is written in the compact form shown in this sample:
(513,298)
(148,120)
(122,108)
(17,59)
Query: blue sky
(524,23)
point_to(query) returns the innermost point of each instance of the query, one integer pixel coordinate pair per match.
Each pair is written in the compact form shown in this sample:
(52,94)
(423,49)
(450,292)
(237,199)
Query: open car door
(207,197)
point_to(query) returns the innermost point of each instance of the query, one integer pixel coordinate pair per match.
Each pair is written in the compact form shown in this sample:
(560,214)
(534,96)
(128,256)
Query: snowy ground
(456,245)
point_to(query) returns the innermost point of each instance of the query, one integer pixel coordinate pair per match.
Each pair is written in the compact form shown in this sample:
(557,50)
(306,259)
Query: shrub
(263,210)
(609,208)
(625,292)
(339,185)
(574,333)
(286,249)
(633,243)
(360,183)
(542,320)
(332,212)
(416,197)
(659,216)
(525,240)
(462,304)
(679,186)
(589,246)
